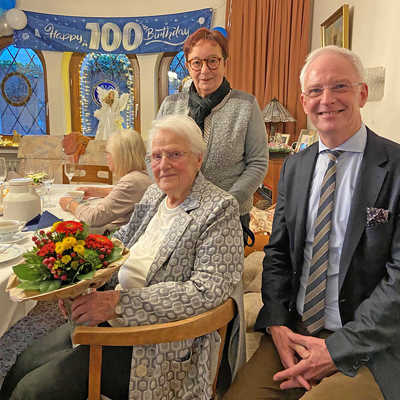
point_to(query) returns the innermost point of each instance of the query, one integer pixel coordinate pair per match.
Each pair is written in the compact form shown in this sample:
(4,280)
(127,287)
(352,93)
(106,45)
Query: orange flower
(69,227)
(98,241)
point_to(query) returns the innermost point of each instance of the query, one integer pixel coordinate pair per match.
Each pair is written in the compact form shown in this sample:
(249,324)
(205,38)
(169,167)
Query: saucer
(11,253)
(16,238)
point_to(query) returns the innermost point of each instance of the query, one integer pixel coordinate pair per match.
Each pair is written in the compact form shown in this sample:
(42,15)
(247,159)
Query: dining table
(12,311)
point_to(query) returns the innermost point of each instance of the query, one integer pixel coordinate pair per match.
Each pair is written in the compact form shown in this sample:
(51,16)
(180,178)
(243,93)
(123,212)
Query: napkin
(41,221)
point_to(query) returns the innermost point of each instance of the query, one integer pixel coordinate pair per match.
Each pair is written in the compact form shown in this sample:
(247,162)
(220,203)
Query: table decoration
(64,263)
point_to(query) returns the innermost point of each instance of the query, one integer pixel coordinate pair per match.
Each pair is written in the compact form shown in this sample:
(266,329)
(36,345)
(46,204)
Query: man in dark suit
(331,277)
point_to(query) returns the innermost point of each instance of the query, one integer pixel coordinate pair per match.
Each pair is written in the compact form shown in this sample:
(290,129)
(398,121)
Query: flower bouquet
(65,262)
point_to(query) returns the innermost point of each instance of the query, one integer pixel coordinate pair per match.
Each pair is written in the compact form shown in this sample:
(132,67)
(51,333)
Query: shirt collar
(355,143)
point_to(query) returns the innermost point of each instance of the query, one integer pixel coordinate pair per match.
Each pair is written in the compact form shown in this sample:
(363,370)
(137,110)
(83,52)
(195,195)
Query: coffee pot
(21,202)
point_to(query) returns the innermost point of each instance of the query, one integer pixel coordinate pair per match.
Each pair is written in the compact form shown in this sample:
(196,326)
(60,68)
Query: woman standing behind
(231,121)
(125,153)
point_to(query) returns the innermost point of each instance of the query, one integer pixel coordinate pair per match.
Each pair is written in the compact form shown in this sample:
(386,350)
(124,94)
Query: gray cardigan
(237,156)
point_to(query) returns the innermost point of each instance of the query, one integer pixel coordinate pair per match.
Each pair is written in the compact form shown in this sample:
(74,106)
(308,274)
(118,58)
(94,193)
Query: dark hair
(206,34)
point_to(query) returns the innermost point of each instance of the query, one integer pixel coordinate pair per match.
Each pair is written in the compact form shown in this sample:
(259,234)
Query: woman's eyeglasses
(196,64)
(155,158)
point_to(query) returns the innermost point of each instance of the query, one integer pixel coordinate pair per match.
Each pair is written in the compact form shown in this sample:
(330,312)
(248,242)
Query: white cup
(9,228)
(77,195)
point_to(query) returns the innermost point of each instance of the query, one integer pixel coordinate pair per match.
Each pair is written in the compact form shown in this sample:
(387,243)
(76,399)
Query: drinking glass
(47,182)
(3,176)
(70,169)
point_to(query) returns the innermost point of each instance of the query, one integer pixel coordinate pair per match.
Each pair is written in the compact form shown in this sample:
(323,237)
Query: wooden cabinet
(274,169)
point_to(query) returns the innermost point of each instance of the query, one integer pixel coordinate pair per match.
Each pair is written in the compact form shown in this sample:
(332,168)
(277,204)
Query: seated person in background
(331,277)
(186,258)
(125,152)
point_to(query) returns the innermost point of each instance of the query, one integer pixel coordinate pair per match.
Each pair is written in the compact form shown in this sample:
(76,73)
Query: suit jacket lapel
(369,183)
(299,199)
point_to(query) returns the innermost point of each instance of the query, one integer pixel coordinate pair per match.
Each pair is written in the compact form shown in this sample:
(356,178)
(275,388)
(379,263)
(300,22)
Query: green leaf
(54,285)
(29,285)
(82,277)
(27,272)
(115,254)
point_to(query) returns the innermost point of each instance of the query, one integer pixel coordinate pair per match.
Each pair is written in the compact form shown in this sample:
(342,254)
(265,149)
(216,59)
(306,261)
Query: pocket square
(376,216)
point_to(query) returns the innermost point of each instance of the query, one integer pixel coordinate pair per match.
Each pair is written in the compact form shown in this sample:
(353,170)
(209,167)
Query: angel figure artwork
(109,115)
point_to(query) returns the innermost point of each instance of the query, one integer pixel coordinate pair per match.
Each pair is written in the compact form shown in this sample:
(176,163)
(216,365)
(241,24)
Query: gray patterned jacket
(237,151)
(199,265)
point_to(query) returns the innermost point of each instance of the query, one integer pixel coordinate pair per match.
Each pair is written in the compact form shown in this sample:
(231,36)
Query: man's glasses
(340,87)
(196,64)
(155,158)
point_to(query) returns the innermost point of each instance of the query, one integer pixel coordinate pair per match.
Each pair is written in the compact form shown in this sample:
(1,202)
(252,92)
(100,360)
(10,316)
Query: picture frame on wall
(306,138)
(335,29)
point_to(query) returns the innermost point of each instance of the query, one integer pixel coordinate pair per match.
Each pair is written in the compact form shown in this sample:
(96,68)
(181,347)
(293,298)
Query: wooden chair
(199,325)
(90,173)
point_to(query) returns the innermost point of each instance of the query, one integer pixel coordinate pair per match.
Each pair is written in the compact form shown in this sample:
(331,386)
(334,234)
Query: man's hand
(95,307)
(316,366)
(290,353)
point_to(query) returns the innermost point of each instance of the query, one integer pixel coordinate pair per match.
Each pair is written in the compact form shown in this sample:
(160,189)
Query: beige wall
(147,62)
(374,36)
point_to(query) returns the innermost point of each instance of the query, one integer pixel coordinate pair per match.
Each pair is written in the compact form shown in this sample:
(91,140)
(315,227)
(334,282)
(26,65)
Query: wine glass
(70,169)
(47,181)
(3,176)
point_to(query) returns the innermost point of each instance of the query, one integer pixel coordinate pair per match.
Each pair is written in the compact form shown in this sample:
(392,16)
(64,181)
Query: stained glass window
(22,100)
(177,73)
(105,71)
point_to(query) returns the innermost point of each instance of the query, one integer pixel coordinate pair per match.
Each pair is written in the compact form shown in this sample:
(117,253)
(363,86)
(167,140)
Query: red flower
(69,227)
(98,242)
(46,249)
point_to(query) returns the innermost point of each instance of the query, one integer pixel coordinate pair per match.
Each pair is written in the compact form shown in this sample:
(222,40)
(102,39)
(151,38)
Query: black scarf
(200,107)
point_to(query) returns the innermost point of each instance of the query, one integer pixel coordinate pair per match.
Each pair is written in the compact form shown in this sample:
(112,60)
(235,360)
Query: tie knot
(334,154)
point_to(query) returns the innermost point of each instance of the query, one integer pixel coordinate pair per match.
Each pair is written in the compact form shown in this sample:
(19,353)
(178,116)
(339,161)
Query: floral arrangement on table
(37,177)
(65,256)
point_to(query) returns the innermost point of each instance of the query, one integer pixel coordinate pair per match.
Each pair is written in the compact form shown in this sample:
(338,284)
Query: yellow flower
(59,248)
(80,243)
(69,241)
(79,249)
(66,259)
(53,228)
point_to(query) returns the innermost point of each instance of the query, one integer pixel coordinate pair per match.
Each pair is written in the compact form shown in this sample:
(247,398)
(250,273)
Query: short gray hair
(348,54)
(183,126)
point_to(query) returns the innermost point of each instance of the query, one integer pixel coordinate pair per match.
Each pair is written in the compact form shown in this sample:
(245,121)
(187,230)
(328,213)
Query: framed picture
(306,138)
(335,29)
(285,138)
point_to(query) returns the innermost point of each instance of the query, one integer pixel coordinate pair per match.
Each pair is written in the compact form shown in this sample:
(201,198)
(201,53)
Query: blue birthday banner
(151,34)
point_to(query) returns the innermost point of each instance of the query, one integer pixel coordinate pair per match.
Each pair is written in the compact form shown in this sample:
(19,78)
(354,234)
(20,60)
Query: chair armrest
(192,327)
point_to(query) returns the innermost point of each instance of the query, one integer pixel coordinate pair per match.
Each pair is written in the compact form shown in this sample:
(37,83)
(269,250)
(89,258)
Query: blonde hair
(127,151)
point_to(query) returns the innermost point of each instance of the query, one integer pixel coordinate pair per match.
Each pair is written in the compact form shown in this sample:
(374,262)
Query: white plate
(11,253)
(16,238)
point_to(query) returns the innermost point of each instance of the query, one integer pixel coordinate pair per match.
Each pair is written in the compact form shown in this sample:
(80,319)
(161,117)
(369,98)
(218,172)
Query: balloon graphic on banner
(16,18)
(7,4)
(220,29)
(5,29)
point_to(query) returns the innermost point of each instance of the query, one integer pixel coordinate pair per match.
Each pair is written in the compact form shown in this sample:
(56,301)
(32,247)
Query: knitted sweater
(237,153)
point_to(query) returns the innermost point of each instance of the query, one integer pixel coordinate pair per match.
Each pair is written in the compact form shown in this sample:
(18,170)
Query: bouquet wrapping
(64,262)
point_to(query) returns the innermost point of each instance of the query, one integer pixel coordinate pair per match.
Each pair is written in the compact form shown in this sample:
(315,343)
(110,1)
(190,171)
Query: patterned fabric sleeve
(200,274)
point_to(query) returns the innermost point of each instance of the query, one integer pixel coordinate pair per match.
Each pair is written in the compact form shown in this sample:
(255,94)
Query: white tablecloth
(10,311)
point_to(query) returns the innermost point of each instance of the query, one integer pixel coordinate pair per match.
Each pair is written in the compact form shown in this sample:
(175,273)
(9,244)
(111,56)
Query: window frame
(6,41)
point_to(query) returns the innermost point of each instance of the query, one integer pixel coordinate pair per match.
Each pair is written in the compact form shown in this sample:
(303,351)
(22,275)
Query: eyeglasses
(340,87)
(196,64)
(155,158)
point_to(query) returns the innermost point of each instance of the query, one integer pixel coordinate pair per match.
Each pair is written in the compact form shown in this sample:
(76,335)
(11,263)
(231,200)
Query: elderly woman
(230,120)
(125,153)
(186,258)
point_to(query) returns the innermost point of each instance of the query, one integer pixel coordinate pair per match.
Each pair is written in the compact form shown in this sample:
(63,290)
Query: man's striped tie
(314,302)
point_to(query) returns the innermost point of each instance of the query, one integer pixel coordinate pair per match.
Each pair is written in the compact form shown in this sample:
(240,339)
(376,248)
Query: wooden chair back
(199,325)
(90,173)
